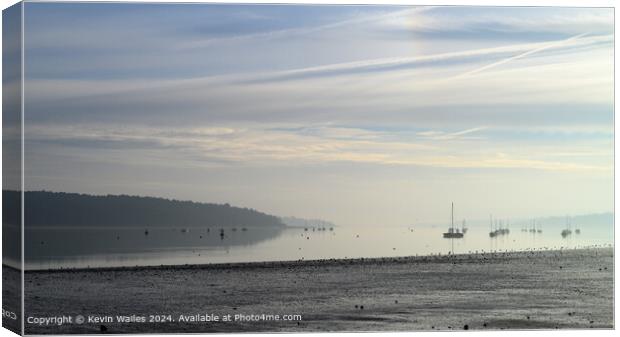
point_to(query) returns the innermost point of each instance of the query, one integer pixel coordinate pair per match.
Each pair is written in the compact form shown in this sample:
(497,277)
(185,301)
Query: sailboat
(503,230)
(497,227)
(452,233)
(492,232)
(566,232)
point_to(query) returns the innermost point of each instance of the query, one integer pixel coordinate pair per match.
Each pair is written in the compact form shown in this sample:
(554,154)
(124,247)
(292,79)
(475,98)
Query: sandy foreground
(525,290)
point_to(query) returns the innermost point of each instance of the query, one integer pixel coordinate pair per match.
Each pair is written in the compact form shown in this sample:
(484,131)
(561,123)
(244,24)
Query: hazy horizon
(359,115)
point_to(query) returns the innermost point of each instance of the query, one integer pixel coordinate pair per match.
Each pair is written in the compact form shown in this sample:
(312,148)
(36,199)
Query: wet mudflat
(522,290)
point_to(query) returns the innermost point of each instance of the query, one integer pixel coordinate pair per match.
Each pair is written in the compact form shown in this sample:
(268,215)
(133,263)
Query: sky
(360,115)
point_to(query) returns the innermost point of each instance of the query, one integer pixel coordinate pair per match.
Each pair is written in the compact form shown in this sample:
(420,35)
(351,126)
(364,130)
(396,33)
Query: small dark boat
(493,232)
(566,232)
(452,233)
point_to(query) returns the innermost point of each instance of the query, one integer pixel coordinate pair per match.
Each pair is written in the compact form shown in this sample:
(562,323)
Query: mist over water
(53,248)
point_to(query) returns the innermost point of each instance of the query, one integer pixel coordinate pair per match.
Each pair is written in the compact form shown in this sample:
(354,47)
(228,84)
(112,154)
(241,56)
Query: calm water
(66,247)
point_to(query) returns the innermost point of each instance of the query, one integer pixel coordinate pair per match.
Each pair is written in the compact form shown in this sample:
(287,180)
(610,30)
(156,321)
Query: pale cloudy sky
(362,115)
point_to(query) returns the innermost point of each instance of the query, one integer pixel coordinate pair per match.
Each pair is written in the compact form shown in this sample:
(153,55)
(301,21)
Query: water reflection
(69,247)
(65,247)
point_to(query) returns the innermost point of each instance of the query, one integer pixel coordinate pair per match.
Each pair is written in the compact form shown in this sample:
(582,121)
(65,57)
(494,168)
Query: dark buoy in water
(146,232)
(466,327)
(103,328)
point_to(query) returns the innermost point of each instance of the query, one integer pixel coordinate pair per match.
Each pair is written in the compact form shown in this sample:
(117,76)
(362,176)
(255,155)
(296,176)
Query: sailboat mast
(452,223)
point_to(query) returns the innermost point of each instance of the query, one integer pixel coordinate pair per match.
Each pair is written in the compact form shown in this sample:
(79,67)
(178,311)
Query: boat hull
(452,235)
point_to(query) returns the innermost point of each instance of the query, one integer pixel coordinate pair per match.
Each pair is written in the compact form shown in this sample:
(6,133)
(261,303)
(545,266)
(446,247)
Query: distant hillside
(298,222)
(580,220)
(81,210)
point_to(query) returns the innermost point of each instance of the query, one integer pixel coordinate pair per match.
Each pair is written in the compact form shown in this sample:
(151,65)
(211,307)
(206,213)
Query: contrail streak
(522,55)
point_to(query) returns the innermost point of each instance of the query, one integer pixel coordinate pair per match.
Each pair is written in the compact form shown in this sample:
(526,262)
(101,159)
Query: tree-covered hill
(81,210)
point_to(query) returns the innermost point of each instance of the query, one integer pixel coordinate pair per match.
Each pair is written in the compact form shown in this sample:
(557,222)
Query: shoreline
(429,258)
(548,289)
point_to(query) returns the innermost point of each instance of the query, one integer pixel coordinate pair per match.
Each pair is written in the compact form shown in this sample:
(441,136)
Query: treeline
(81,210)
(292,221)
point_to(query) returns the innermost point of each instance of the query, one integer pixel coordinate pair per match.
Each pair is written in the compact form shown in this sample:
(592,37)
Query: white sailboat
(452,233)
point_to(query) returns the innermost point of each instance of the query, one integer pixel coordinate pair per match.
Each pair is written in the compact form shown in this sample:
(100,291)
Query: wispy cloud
(360,19)
(461,57)
(441,135)
(297,146)
(545,46)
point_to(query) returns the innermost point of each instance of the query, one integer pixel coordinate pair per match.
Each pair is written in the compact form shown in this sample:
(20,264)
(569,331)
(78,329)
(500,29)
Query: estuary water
(54,248)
